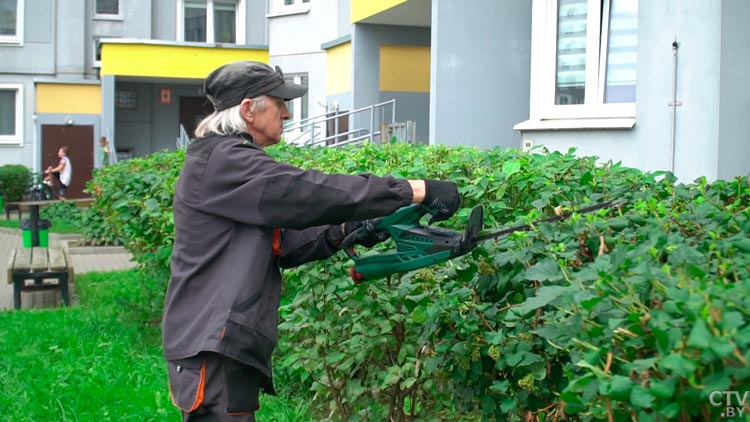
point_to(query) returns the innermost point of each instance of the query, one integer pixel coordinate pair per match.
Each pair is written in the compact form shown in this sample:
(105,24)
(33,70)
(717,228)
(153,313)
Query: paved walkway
(84,260)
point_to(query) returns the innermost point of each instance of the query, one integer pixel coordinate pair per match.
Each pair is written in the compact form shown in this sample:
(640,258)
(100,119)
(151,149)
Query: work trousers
(210,387)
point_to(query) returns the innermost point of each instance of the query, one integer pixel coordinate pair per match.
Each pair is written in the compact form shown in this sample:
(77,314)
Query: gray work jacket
(230,199)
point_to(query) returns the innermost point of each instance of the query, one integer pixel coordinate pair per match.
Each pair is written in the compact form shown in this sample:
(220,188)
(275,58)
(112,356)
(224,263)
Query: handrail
(310,130)
(309,125)
(112,148)
(362,134)
(384,103)
(183,140)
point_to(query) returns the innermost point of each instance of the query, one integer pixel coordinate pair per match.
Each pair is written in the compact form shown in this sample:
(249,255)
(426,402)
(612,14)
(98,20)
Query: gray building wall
(70,36)
(734,90)
(480,71)
(21,65)
(37,55)
(164,24)
(344,18)
(296,47)
(133,127)
(135,22)
(366,42)
(256,29)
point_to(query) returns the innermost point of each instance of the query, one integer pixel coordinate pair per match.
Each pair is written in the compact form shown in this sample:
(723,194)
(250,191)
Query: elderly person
(239,217)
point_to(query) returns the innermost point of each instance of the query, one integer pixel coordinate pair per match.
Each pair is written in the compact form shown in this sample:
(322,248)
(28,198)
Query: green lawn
(98,361)
(60,227)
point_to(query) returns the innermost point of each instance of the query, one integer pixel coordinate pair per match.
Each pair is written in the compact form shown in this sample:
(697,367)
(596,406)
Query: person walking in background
(63,171)
(104,143)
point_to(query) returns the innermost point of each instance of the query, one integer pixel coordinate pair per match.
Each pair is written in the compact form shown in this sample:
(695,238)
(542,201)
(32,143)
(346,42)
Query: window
(107,7)
(289,7)
(126,99)
(97,53)
(587,57)
(11,21)
(211,21)
(298,108)
(11,114)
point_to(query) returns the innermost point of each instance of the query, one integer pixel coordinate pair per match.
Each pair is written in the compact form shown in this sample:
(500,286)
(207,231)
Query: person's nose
(285,112)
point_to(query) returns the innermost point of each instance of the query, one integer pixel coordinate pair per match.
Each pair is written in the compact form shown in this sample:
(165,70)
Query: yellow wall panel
(68,98)
(171,61)
(339,69)
(404,68)
(362,9)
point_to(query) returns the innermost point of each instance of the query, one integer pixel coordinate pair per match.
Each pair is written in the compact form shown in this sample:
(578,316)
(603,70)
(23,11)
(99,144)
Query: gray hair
(227,122)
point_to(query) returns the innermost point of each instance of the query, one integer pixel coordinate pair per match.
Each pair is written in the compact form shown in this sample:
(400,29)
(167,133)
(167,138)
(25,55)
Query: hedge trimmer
(420,246)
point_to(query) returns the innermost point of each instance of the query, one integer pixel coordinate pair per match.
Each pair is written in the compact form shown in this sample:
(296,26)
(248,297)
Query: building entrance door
(192,111)
(80,143)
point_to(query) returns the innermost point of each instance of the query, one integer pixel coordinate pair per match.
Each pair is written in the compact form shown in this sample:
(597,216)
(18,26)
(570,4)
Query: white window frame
(297,6)
(240,12)
(96,64)
(295,133)
(16,138)
(18,38)
(108,16)
(297,102)
(544,67)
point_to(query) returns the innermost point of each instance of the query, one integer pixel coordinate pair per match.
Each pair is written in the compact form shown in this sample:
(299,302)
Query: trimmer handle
(417,246)
(403,219)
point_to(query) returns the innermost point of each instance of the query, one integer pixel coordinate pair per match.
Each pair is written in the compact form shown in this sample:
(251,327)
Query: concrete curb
(93,250)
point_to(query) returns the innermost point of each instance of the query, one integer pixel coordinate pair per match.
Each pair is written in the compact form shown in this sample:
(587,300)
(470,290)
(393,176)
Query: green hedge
(14,181)
(636,313)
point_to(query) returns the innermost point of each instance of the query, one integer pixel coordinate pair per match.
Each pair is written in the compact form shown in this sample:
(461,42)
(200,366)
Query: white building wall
(696,25)
(296,40)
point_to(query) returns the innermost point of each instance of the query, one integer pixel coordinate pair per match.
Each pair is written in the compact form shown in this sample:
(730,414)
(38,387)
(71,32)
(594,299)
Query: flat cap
(229,84)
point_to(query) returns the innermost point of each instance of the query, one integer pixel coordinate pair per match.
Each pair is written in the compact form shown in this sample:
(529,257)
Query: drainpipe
(34,140)
(674,104)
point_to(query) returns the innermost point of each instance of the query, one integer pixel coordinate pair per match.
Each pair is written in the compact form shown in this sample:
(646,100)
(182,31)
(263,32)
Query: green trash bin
(26,230)
(44,226)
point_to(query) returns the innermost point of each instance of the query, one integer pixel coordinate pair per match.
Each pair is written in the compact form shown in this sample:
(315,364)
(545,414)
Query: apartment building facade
(72,71)
(656,85)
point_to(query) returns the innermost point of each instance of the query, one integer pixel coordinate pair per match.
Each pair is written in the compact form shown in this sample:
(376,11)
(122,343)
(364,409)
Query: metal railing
(112,148)
(313,130)
(183,140)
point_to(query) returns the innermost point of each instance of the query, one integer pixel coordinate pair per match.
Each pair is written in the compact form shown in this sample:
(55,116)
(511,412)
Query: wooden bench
(40,265)
(12,206)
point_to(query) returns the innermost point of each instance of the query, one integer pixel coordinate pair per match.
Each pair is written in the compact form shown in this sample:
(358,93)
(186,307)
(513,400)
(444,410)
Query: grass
(60,227)
(98,361)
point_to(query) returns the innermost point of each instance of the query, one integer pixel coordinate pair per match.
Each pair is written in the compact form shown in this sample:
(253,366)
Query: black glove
(441,198)
(366,233)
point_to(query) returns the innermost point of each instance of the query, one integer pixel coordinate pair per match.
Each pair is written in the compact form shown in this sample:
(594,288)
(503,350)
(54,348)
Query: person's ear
(246,107)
